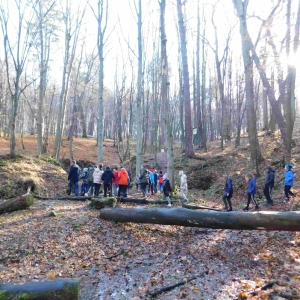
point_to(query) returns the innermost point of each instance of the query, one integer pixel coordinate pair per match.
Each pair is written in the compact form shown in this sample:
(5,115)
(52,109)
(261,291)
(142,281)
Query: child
(183,186)
(161,181)
(228,192)
(167,189)
(288,182)
(137,181)
(251,191)
(269,184)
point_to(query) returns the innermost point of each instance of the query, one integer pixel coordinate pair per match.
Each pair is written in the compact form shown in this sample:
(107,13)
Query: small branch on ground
(171,287)
(287,296)
(269,284)
(120,252)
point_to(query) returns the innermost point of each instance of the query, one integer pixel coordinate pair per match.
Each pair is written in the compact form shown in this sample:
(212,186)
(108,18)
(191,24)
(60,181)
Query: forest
(209,87)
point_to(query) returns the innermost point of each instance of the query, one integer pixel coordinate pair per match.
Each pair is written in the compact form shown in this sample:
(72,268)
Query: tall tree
(102,18)
(139,108)
(241,7)
(72,25)
(164,93)
(189,151)
(24,30)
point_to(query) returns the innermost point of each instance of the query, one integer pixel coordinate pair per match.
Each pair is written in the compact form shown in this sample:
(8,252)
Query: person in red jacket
(115,182)
(123,182)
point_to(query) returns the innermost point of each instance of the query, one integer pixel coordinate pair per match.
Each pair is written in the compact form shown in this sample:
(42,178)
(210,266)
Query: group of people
(149,179)
(251,189)
(115,183)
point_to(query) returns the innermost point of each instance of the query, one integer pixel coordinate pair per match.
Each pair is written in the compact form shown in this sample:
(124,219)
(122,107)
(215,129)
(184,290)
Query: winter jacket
(270,179)
(155,177)
(183,182)
(74,173)
(107,176)
(252,186)
(151,177)
(137,179)
(84,175)
(228,187)
(97,175)
(90,173)
(161,178)
(129,175)
(116,179)
(123,177)
(167,187)
(144,178)
(289,178)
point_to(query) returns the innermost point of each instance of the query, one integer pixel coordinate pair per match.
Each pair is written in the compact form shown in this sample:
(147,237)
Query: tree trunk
(189,151)
(284,221)
(198,86)
(67,289)
(139,108)
(11,205)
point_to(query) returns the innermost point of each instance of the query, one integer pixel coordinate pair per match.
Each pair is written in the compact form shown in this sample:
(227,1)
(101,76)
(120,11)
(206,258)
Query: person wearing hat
(288,182)
(269,184)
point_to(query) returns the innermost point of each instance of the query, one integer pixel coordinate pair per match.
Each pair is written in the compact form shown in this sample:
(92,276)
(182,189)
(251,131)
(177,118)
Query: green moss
(101,203)
(51,160)
(29,200)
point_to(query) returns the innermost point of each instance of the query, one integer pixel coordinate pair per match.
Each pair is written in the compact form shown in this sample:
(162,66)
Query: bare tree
(17,53)
(189,151)
(72,25)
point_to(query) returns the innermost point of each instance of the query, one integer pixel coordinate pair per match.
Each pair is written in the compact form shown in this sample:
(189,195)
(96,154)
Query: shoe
(185,201)
(269,204)
(229,209)
(224,208)
(256,207)
(246,208)
(169,205)
(86,194)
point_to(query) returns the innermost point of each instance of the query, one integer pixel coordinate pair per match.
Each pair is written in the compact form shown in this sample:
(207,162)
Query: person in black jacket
(73,178)
(107,178)
(269,184)
(228,192)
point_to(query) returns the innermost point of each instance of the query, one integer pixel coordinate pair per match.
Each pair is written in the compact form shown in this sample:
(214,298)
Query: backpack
(160,179)
(90,174)
(79,173)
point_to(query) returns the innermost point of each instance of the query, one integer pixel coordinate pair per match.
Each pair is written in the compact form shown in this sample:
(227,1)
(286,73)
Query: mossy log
(59,197)
(67,289)
(19,203)
(266,220)
(192,206)
(144,201)
(100,203)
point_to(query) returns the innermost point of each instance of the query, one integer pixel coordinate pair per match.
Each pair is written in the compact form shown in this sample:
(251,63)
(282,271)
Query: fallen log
(190,206)
(59,197)
(144,201)
(67,289)
(22,202)
(266,220)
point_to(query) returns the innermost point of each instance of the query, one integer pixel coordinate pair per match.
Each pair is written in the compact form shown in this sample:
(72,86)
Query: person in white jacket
(97,179)
(183,186)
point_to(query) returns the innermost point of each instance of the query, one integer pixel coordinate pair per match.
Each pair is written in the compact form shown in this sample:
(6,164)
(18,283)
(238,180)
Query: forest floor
(76,243)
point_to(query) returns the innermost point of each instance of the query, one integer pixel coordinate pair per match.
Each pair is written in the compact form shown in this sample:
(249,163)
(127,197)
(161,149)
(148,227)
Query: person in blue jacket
(228,192)
(251,190)
(288,182)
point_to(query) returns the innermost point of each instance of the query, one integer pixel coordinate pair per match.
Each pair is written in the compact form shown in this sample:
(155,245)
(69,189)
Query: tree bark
(19,203)
(189,151)
(284,221)
(67,289)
